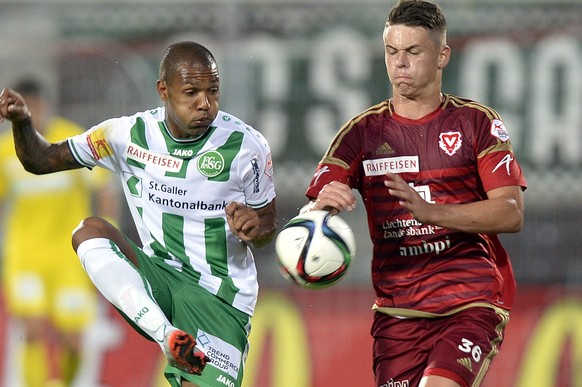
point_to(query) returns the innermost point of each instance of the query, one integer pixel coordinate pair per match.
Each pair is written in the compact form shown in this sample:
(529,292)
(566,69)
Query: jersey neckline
(421,120)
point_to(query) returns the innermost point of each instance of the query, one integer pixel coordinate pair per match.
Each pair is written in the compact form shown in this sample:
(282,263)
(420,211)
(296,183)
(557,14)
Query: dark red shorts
(459,347)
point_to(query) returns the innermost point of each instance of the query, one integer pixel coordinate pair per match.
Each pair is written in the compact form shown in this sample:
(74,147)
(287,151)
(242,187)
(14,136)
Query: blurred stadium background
(296,70)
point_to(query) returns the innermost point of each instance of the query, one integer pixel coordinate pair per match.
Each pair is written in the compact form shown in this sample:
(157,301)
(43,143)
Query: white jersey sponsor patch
(164,162)
(400,164)
(498,130)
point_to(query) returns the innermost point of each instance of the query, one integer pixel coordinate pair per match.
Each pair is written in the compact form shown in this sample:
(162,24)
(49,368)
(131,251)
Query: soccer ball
(315,249)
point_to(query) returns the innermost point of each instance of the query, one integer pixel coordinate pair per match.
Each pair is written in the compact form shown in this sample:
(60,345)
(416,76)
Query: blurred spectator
(47,291)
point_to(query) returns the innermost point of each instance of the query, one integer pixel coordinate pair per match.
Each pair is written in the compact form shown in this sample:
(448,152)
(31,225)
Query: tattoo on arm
(37,155)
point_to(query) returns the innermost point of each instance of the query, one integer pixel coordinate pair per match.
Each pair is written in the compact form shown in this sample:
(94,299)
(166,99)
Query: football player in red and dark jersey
(439,181)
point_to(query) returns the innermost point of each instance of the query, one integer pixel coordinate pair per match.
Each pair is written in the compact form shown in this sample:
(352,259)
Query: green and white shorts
(221,331)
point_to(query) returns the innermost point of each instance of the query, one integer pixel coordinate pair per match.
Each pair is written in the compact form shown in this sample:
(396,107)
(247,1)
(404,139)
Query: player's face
(191,98)
(414,61)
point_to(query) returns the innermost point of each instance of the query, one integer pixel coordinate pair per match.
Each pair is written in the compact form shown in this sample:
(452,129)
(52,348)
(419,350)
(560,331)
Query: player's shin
(122,285)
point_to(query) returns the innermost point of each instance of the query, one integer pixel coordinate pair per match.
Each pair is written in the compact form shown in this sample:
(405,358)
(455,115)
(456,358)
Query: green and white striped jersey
(177,191)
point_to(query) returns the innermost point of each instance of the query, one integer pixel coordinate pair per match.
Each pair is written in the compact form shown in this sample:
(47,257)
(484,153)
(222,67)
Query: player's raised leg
(112,265)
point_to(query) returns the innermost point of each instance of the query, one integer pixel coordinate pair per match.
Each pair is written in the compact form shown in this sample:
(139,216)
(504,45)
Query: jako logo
(222,379)
(141,313)
(210,164)
(183,152)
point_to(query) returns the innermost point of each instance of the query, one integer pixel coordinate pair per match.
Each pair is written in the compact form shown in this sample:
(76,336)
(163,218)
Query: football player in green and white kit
(199,185)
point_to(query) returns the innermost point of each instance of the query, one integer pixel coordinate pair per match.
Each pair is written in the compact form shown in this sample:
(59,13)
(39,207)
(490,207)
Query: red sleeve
(342,160)
(496,161)
(324,174)
(499,169)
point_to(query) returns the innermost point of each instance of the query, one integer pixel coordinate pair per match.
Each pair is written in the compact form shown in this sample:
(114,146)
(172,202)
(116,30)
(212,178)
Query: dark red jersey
(453,155)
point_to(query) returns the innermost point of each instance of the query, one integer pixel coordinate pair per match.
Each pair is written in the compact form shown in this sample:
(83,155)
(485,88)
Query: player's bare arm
(335,197)
(502,212)
(256,226)
(36,154)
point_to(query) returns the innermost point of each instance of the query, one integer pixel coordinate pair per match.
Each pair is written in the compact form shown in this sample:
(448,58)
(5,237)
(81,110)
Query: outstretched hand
(13,107)
(335,197)
(243,221)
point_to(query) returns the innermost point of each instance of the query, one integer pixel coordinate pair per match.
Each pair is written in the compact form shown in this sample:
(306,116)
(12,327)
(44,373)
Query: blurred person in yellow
(47,292)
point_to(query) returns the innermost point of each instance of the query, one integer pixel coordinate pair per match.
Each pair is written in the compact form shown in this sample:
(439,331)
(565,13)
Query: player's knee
(91,227)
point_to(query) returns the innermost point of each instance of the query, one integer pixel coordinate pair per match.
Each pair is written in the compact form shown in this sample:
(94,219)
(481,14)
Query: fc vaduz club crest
(450,142)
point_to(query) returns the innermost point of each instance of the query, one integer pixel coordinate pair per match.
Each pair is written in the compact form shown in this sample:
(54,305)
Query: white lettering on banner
(538,83)
(379,167)
(526,89)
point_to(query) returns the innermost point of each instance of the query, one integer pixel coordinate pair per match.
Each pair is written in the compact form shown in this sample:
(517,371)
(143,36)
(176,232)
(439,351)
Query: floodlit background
(296,71)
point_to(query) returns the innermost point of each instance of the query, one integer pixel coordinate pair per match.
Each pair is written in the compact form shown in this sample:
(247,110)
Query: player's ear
(444,57)
(162,87)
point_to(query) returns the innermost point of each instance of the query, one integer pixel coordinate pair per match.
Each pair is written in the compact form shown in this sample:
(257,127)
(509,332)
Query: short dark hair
(419,13)
(184,52)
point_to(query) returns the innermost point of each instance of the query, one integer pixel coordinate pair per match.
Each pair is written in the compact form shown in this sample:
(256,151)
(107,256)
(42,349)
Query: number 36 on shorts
(467,346)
